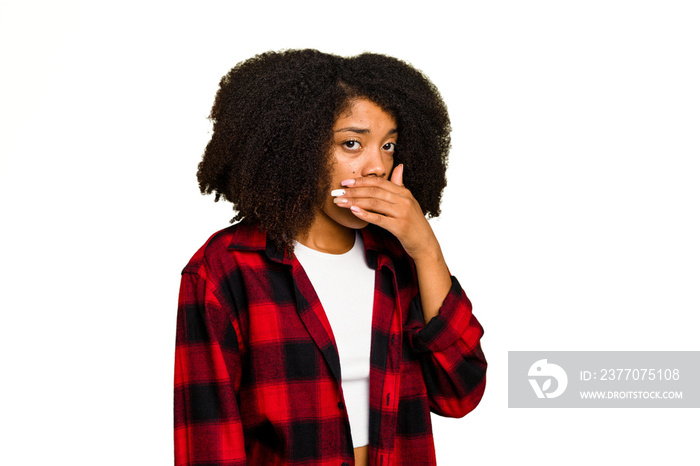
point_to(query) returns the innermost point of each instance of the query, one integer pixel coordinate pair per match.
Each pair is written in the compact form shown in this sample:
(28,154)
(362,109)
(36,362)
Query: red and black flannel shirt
(257,374)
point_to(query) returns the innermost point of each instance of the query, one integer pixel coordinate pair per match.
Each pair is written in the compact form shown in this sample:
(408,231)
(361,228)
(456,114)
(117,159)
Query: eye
(351,144)
(389,146)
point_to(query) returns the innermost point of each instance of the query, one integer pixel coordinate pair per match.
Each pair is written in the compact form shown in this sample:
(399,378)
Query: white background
(570,217)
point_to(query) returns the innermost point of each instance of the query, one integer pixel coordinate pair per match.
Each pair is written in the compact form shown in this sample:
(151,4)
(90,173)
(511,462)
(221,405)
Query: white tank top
(344,284)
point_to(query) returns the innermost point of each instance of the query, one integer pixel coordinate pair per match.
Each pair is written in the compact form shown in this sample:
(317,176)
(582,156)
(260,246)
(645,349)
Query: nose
(374,163)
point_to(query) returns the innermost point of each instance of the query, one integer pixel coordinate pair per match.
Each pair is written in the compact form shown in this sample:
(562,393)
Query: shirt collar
(380,246)
(248,237)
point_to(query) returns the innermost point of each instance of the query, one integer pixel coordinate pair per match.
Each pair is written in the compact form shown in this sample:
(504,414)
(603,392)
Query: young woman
(324,326)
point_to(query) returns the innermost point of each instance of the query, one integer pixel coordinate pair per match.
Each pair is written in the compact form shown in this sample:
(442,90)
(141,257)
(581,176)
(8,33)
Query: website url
(630,395)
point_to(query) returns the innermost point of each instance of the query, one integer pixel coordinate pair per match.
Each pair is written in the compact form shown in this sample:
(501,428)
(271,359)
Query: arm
(390,205)
(442,326)
(434,280)
(207,420)
(454,367)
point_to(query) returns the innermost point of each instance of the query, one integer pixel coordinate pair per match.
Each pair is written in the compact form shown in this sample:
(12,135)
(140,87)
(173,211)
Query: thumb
(397,175)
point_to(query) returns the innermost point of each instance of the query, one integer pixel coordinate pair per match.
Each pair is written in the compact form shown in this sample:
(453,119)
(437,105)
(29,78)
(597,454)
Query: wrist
(430,253)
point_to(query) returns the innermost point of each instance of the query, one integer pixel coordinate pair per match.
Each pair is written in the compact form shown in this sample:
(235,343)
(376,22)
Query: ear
(397,175)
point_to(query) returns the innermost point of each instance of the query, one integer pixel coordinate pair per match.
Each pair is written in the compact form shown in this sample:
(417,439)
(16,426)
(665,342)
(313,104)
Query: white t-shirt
(344,284)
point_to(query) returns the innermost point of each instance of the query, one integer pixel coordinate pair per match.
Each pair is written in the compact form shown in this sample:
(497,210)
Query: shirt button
(345,463)
(341,405)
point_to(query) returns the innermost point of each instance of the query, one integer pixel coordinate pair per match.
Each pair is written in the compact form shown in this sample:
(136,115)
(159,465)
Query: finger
(372,181)
(367,191)
(397,175)
(373,217)
(371,205)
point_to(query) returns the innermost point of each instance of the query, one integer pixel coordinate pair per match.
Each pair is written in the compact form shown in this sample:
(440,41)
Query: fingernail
(340,200)
(338,192)
(355,209)
(349,182)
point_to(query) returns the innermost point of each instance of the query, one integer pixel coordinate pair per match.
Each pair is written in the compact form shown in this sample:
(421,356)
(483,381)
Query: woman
(324,326)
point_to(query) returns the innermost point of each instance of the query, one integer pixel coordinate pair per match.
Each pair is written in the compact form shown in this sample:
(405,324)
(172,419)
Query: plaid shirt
(257,374)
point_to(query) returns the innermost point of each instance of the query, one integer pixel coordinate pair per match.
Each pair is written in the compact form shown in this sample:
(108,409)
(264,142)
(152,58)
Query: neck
(328,236)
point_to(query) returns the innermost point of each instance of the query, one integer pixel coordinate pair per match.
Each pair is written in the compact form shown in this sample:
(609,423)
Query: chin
(352,222)
(349,220)
(358,224)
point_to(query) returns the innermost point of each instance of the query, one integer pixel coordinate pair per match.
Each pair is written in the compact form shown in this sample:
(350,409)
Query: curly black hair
(273,127)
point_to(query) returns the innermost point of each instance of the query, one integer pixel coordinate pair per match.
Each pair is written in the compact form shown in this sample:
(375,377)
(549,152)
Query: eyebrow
(355,129)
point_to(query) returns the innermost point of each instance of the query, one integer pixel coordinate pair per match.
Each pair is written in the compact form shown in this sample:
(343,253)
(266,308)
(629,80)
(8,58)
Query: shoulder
(217,250)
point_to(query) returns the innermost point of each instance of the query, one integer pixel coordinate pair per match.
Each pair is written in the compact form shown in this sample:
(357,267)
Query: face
(364,139)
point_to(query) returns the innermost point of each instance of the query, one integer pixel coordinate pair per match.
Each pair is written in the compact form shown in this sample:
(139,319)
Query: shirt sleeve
(208,427)
(454,367)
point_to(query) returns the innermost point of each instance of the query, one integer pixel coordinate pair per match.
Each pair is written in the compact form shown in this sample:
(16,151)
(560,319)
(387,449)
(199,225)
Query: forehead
(365,113)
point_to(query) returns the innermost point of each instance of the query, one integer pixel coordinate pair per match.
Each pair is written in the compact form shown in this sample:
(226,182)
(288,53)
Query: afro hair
(273,119)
